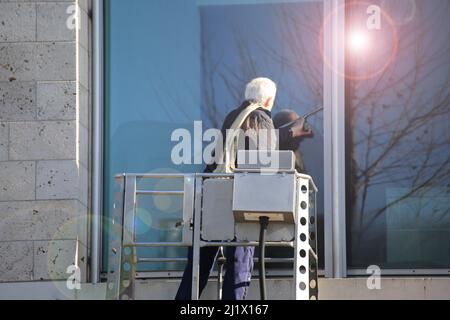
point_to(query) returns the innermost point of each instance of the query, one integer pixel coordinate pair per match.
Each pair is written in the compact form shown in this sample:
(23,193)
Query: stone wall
(44,138)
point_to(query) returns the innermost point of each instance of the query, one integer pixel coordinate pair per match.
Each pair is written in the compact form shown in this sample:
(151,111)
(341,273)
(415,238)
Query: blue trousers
(239,267)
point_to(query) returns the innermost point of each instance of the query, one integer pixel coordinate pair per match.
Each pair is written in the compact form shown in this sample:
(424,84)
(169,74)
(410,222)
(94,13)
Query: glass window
(398,141)
(173,62)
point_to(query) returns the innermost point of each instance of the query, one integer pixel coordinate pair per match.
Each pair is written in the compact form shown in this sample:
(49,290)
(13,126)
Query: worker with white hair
(254,114)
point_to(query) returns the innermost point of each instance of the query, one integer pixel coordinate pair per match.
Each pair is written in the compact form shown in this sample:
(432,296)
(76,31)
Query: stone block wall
(44,138)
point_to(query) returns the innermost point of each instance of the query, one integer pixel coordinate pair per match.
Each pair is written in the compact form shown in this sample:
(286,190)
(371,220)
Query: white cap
(260,90)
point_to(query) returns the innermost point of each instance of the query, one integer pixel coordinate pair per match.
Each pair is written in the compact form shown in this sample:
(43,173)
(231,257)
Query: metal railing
(123,257)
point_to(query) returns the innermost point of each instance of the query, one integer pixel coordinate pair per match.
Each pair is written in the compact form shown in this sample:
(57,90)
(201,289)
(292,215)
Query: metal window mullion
(97,140)
(334,127)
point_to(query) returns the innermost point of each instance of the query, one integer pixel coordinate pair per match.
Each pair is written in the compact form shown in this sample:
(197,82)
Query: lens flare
(368,52)
(358,41)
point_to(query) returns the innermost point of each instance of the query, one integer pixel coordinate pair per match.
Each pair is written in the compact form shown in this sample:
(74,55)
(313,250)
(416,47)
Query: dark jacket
(257,120)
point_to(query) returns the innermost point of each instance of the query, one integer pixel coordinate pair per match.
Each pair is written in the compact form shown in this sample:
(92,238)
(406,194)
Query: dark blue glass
(173,62)
(398,140)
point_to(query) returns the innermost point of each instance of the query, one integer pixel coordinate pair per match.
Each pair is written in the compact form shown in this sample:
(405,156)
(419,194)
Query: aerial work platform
(222,210)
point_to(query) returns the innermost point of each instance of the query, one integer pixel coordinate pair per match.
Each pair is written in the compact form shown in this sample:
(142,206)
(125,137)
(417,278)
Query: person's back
(260,119)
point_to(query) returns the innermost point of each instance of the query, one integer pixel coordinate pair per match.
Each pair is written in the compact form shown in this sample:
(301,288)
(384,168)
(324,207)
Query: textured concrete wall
(44,138)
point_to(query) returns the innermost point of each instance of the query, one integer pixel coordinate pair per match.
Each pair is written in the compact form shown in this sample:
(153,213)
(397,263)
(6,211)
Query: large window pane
(398,141)
(173,62)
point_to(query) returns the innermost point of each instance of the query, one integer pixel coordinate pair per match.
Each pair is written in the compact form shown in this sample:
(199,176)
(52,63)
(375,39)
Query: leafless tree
(398,120)
(257,53)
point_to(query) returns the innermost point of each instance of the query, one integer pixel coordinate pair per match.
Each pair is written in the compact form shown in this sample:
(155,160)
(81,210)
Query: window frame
(360,272)
(334,141)
(335,194)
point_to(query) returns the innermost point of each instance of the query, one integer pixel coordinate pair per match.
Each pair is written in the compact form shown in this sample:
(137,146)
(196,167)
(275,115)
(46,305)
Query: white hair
(260,90)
